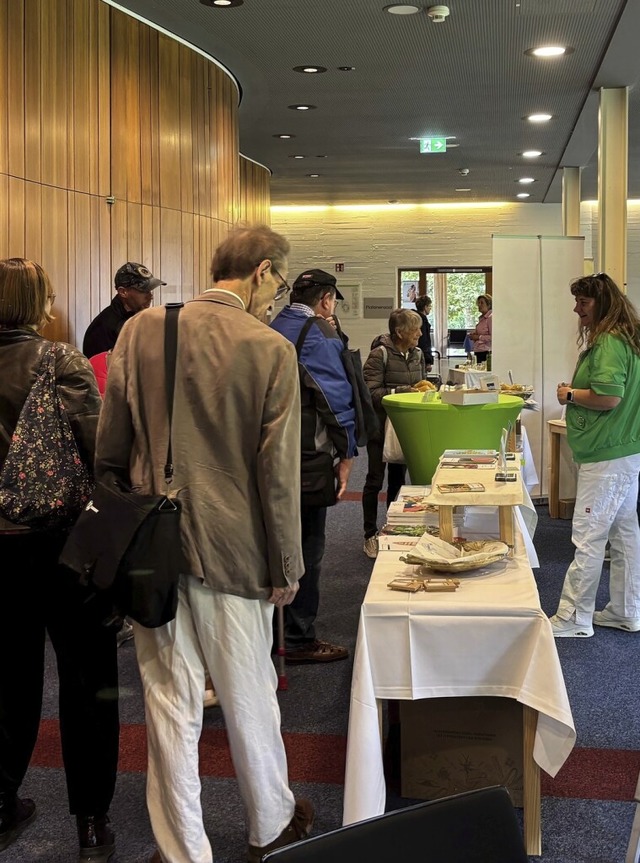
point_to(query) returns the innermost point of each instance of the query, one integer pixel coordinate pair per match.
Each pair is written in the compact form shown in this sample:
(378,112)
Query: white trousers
(231,637)
(606,500)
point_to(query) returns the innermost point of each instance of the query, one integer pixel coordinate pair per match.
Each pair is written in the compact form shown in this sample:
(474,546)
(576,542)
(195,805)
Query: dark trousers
(300,616)
(373,485)
(37,597)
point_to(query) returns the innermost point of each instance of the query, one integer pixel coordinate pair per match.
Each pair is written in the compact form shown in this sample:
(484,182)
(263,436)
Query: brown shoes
(316,651)
(298,828)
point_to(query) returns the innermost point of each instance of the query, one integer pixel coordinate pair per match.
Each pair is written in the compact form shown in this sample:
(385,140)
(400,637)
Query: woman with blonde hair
(603,432)
(45,597)
(394,365)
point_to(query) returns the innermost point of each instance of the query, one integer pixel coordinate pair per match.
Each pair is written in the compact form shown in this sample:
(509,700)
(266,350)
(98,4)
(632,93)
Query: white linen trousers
(232,638)
(605,509)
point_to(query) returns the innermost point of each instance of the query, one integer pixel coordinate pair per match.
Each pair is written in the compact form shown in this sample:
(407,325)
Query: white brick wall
(373,243)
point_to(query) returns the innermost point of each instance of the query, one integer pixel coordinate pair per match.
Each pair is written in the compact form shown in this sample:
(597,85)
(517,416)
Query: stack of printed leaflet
(466,459)
(411,516)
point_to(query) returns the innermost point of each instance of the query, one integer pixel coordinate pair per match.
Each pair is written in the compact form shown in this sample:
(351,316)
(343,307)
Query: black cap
(315,278)
(136,276)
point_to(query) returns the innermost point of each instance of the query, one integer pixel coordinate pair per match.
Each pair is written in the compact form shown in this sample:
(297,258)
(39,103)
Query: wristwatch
(570,396)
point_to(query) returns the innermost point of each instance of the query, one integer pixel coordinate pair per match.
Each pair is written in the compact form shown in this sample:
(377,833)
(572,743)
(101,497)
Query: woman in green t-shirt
(603,431)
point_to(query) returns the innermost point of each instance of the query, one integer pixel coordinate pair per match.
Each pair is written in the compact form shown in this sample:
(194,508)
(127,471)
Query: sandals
(316,651)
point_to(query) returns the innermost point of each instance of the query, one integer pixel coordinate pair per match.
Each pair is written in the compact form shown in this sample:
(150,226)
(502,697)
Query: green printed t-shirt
(608,368)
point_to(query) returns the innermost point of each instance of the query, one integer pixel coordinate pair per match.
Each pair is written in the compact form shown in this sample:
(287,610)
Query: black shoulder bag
(129,543)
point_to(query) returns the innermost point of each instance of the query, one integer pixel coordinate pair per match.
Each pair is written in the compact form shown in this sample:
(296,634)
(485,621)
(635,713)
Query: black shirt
(424,342)
(102,332)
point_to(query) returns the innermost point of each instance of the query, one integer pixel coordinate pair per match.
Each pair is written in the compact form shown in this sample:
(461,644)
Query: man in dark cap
(134,284)
(328,426)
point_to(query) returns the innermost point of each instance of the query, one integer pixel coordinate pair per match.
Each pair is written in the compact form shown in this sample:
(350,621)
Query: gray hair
(402,321)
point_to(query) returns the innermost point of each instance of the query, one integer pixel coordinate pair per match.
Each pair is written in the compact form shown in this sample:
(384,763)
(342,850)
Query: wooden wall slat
(54,257)
(54,82)
(33,225)
(4,90)
(119,68)
(101,143)
(15,87)
(32,91)
(169,120)
(83,112)
(4,216)
(16,218)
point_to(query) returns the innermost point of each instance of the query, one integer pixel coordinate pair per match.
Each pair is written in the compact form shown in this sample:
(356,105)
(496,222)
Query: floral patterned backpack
(44,483)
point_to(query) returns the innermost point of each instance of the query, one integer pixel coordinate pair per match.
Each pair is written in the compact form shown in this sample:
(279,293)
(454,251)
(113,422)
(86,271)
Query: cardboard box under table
(489,638)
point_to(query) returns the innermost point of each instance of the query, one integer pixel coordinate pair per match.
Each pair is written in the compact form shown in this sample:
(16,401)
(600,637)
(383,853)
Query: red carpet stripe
(357,495)
(589,774)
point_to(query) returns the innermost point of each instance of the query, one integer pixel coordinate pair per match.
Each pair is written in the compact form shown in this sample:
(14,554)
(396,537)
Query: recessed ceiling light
(463,190)
(402,9)
(301,107)
(523,195)
(310,70)
(539,118)
(284,137)
(314,176)
(526,180)
(297,157)
(222,4)
(531,154)
(346,68)
(549,51)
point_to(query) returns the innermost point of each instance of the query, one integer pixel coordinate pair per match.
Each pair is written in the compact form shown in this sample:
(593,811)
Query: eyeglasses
(284,288)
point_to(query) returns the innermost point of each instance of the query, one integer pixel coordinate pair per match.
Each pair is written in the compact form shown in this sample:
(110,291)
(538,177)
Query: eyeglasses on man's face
(284,288)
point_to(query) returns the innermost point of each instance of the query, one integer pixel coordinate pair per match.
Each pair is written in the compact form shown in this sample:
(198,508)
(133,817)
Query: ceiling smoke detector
(438,13)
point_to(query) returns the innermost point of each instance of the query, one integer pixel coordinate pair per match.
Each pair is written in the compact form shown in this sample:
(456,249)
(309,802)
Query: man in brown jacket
(235,438)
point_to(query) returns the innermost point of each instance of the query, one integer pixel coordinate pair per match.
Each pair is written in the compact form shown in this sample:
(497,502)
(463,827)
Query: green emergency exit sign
(433,145)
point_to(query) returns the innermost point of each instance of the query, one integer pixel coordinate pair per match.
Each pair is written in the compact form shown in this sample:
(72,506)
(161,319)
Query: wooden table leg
(445,523)
(531,784)
(554,474)
(507,527)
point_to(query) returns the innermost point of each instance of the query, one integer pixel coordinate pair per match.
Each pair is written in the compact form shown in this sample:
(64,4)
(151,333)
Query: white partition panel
(534,327)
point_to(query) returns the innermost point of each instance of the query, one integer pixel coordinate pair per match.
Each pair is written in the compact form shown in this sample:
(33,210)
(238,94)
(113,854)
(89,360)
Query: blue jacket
(328,415)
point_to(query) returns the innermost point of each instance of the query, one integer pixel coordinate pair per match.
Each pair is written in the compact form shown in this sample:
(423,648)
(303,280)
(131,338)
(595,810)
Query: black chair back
(473,827)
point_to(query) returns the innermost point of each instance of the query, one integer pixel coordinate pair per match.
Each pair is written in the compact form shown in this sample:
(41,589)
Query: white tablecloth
(490,637)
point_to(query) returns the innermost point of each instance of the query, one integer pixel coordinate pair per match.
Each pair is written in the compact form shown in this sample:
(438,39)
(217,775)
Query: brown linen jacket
(235,438)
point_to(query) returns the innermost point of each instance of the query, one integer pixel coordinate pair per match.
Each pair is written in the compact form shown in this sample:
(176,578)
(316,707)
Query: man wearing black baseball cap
(134,284)
(327,436)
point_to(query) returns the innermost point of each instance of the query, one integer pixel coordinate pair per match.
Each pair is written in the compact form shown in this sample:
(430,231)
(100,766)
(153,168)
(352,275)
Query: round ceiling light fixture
(297,157)
(539,118)
(222,4)
(402,9)
(523,195)
(549,51)
(284,137)
(310,70)
(301,107)
(526,180)
(313,176)
(531,154)
(463,190)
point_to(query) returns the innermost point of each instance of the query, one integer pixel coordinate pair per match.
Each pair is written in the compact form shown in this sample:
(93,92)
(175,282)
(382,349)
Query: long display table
(490,637)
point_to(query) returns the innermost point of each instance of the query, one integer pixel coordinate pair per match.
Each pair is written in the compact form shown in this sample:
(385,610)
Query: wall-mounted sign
(433,145)
(339,268)
(378,307)
(351,306)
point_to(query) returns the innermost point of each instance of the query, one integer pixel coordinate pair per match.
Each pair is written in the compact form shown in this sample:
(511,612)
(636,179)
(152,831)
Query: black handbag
(317,479)
(129,543)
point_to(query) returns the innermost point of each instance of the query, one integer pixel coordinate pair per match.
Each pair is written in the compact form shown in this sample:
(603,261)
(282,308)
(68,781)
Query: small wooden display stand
(504,495)
(557,428)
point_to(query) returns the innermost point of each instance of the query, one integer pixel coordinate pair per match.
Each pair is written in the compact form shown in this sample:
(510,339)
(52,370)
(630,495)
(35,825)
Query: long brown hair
(613,313)
(24,291)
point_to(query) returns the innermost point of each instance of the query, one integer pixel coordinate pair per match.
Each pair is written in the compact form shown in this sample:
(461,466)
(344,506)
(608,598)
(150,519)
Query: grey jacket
(397,373)
(235,439)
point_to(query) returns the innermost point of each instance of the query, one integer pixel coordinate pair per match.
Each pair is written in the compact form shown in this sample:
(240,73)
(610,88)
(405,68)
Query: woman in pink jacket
(481,336)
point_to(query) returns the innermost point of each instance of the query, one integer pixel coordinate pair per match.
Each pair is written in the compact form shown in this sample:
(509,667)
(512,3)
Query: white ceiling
(467,77)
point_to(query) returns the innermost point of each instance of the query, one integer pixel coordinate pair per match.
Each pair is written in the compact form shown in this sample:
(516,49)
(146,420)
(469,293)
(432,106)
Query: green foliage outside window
(463,289)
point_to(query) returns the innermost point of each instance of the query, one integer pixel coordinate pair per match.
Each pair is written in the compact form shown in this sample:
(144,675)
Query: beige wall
(94,103)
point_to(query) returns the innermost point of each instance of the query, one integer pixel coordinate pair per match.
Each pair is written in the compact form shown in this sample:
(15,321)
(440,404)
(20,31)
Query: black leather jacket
(21,352)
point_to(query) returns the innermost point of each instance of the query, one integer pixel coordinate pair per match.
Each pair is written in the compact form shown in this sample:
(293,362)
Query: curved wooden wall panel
(255,193)
(93,104)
